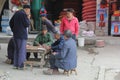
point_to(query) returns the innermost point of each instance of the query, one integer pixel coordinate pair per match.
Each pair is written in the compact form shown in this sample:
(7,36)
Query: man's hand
(27,46)
(54,53)
(39,45)
(46,46)
(29,16)
(49,47)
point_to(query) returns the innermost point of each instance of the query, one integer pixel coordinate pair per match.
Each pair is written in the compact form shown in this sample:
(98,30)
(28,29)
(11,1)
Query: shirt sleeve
(11,23)
(50,25)
(36,41)
(26,21)
(63,53)
(50,40)
(76,27)
(60,45)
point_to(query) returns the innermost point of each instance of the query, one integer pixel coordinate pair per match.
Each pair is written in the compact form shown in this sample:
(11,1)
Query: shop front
(108,17)
(114,17)
(104,15)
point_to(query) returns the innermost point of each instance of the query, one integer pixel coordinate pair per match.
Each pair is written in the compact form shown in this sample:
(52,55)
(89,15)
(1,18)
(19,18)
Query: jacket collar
(71,19)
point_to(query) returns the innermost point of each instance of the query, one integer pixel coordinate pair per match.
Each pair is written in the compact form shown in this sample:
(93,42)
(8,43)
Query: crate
(5,18)
(4,23)
(115,18)
(4,29)
(6,12)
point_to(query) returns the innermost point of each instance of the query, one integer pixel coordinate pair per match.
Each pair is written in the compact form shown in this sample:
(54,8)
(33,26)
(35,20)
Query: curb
(101,75)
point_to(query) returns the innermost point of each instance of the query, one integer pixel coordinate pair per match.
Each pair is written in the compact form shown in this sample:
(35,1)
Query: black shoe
(20,68)
(15,67)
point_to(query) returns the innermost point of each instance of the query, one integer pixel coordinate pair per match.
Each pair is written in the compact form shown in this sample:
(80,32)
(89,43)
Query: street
(102,66)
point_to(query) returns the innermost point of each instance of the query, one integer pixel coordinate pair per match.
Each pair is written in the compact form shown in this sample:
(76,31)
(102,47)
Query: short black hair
(69,10)
(43,15)
(44,27)
(68,33)
(26,6)
(57,33)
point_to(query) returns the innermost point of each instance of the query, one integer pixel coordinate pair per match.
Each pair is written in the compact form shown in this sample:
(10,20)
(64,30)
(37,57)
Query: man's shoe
(20,68)
(48,72)
(8,61)
(15,67)
(51,72)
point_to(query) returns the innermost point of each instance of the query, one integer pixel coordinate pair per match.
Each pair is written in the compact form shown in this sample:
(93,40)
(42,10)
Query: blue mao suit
(67,58)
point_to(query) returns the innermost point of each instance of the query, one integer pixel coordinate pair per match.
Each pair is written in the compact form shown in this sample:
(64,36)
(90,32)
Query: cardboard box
(99,32)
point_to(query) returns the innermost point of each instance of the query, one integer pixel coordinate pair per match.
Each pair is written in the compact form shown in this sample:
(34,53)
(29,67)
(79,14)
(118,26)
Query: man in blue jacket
(19,24)
(58,44)
(66,59)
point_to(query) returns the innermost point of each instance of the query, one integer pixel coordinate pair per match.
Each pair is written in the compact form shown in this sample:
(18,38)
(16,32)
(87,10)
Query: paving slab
(112,74)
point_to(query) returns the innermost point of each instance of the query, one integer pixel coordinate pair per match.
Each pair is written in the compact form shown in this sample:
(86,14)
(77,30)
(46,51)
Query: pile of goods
(89,10)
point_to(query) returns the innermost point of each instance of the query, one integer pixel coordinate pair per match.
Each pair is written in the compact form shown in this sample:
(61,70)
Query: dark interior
(54,7)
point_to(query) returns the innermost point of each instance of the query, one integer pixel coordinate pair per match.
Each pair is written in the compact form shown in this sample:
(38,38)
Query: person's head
(67,34)
(25,1)
(44,30)
(69,12)
(26,9)
(57,35)
(43,16)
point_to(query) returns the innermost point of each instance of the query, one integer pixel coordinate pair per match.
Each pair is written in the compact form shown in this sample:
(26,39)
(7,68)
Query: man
(10,51)
(43,39)
(70,22)
(48,23)
(58,44)
(66,59)
(19,24)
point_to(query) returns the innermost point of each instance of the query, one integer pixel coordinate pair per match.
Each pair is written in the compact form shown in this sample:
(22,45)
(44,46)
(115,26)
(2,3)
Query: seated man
(10,51)
(66,59)
(58,44)
(43,39)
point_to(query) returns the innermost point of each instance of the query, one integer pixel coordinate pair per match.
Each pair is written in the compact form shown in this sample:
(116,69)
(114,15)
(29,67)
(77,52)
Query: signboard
(102,17)
(115,28)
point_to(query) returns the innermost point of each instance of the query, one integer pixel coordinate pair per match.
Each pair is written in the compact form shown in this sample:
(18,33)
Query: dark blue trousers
(52,62)
(20,52)
(10,49)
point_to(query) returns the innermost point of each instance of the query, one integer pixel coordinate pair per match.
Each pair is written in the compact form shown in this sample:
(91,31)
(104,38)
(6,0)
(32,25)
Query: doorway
(54,7)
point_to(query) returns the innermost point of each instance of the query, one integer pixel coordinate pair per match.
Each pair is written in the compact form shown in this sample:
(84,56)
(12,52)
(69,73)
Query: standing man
(70,22)
(19,23)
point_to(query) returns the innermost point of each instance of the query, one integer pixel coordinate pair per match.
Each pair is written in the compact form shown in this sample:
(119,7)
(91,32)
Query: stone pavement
(102,66)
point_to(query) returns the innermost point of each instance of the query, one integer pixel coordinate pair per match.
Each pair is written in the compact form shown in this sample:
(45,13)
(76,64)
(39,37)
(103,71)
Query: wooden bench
(40,51)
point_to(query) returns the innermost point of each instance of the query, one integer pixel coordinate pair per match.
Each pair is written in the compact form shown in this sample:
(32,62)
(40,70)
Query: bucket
(100,43)
(81,42)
